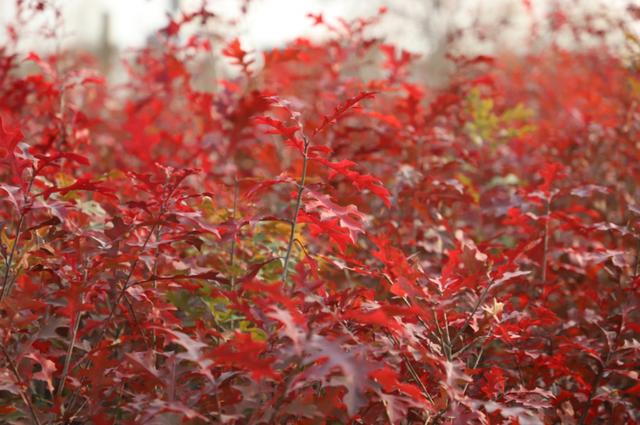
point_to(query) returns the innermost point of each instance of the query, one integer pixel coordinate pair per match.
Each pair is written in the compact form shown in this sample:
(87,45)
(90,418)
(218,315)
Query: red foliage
(305,245)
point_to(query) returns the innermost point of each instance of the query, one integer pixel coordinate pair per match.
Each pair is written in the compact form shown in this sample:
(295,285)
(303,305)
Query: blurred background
(110,28)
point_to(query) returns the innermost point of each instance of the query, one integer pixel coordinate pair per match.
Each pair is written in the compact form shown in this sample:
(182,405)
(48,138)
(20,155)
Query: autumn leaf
(341,110)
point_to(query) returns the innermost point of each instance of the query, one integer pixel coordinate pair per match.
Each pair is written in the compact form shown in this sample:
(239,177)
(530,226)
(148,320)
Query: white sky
(273,22)
(269,23)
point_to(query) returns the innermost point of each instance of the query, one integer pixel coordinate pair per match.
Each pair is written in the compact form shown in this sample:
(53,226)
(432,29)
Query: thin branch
(6,284)
(407,361)
(440,333)
(475,365)
(602,366)
(304,248)
(296,211)
(22,385)
(477,305)
(636,268)
(462,350)
(67,359)
(9,262)
(405,299)
(132,269)
(415,376)
(233,240)
(592,393)
(72,342)
(546,240)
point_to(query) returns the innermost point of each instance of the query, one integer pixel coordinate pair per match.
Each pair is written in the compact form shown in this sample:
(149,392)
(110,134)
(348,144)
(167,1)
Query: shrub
(306,245)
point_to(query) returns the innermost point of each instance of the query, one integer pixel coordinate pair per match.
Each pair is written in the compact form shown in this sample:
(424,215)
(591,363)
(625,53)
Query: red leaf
(244,353)
(342,109)
(80,184)
(259,188)
(550,173)
(389,379)
(278,127)
(146,361)
(238,56)
(47,369)
(193,348)
(9,138)
(360,181)
(349,217)
(373,317)
(635,390)
(330,228)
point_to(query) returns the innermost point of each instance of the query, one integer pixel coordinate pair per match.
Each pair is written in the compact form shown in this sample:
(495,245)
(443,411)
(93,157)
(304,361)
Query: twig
(463,349)
(72,342)
(407,301)
(601,369)
(132,269)
(440,333)
(477,305)
(294,219)
(6,285)
(446,333)
(67,359)
(233,240)
(475,365)
(22,385)
(592,393)
(409,364)
(546,240)
(304,249)
(636,269)
(9,262)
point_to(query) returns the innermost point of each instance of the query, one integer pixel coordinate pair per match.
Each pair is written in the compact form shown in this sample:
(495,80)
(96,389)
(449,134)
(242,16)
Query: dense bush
(321,239)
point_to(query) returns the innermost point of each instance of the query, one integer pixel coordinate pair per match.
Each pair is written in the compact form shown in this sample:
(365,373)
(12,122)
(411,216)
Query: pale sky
(273,22)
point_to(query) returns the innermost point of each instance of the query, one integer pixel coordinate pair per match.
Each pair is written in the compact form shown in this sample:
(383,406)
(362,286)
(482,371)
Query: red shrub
(304,245)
